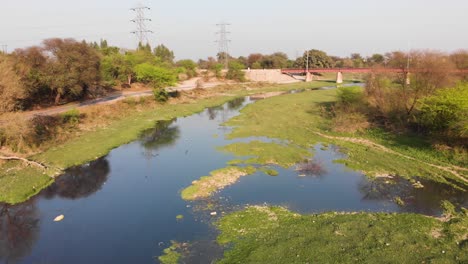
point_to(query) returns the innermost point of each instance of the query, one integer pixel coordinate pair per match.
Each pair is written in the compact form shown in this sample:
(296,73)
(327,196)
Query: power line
(140,20)
(223,42)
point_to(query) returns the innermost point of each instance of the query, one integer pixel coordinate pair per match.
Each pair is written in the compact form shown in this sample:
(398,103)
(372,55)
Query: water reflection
(426,200)
(214,111)
(19,229)
(79,182)
(236,103)
(164,134)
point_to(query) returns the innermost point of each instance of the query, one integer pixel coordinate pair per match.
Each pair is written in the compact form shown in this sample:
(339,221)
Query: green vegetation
(269,171)
(218,179)
(268,153)
(235,72)
(158,77)
(171,254)
(275,235)
(18,182)
(446,112)
(302,120)
(109,127)
(179,217)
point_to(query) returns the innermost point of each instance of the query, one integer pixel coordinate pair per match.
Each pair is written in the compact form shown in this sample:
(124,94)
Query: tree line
(320,59)
(64,70)
(432,101)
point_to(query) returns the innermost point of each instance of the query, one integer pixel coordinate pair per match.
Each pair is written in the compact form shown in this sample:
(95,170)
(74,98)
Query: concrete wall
(273,76)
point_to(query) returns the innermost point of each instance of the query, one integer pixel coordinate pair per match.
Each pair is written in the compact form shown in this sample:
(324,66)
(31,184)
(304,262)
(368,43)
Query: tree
(116,67)
(396,59)
(276,60)
(358,60)
(72,67)
(376,59)
(156,76)
(460,59)
(164,54)
(317,59)
(253,61)
(433,71)
(12,90)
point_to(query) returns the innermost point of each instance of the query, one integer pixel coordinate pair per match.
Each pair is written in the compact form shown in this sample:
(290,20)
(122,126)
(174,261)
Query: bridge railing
(360,70)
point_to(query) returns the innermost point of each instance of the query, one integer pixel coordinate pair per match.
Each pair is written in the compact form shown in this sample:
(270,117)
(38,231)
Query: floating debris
(418,185)
(213,213)
(59,218)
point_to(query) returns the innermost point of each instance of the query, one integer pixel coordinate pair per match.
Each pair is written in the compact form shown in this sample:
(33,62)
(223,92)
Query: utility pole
(140,20)
(223,42)
(307,62)
(4,48)
(408,81)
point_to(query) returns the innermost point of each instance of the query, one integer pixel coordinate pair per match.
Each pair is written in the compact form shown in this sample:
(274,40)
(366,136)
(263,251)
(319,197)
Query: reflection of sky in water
(122,208)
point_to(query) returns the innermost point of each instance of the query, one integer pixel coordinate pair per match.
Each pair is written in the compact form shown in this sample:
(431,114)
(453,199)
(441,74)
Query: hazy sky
(188,27)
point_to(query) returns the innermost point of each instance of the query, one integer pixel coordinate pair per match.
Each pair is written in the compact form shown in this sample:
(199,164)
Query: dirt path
(366,142)
(112,98)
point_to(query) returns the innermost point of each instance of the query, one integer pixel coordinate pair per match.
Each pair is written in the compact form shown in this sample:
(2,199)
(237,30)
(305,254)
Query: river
(122,208)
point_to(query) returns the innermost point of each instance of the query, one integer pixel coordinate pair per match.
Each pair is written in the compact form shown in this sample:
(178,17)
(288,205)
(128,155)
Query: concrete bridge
(339,71)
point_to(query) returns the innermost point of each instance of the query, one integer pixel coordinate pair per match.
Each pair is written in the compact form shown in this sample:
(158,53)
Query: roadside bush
(160,95)
(446,111)
(44,129)
(189,67)
(217,69)
(235,72)
(71,117)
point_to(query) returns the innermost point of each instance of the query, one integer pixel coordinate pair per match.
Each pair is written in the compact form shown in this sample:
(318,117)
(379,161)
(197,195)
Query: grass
(297,118)
(171,254)
(218,179)
(18,183)
(275,235)
(269,171)
(267,153)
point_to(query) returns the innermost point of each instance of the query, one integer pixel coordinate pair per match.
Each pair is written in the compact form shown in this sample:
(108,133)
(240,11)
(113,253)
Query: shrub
(189,67)
(235,72)
(71,116)
(217,70)
(157,76)
(160,95)
(350,122)
(446,111)
(349,96)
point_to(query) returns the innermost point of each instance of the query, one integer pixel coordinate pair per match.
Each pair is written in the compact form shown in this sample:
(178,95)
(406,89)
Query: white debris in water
(59,218)
(213,213)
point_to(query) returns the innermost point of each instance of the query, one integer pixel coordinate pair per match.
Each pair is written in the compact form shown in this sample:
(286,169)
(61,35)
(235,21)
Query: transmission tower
(140,20)
(223,42)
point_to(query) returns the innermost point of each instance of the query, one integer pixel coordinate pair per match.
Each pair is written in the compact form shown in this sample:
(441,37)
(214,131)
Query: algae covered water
(126,207)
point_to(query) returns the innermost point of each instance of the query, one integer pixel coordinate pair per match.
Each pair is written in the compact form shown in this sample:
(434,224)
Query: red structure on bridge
(356,70)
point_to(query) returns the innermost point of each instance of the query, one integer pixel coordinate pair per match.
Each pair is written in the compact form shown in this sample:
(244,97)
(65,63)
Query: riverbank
(19,182)
(297,122)
(301,120)
(262,234)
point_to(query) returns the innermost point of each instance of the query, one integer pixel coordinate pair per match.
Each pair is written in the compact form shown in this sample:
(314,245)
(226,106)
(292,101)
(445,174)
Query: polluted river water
(126,207)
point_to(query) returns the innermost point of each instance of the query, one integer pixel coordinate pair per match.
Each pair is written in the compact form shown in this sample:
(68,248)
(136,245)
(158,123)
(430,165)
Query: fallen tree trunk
(29,162)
